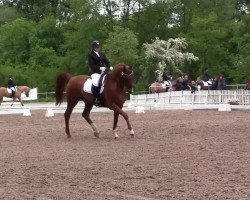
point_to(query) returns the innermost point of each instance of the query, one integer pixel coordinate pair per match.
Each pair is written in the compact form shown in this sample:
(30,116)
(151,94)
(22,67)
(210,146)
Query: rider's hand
(111,68)
(102,68)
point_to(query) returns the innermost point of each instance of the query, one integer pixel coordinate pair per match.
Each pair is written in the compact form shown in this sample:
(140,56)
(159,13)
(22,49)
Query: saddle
(11,92)
(87,87)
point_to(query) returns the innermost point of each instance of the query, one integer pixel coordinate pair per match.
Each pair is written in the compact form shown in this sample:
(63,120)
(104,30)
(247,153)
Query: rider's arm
(106,61)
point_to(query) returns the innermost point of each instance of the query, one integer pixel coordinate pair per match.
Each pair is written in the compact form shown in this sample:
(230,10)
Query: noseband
(125,75)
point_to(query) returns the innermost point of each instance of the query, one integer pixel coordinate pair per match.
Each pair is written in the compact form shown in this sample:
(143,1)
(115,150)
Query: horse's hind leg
(86,115)
(66,118)
(13,101)
(69,109)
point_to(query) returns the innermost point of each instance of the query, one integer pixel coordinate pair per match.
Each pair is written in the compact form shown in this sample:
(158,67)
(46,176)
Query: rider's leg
(12,93)
(96,95)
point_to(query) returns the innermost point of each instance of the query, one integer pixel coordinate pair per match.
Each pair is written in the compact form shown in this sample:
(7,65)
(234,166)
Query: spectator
(206,75)
(221,83)
(185,83)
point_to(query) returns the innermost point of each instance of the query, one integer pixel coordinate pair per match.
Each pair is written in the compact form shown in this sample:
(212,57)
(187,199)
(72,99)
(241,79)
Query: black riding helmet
(95,44)
(10,76)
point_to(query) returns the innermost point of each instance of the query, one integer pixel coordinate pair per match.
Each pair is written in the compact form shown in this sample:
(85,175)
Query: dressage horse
(19,90)
(158,87)
(116,83)
(207,85)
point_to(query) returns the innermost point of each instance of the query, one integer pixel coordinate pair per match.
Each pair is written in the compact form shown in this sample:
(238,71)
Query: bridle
(125,76)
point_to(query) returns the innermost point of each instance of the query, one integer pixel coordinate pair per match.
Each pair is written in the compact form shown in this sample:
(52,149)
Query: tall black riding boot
(95,91)
(12,93)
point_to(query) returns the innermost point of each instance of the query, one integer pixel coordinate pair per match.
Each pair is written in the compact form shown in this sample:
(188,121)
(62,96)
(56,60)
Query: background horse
(158,87)
(114,95)
(207,85)
(19,90)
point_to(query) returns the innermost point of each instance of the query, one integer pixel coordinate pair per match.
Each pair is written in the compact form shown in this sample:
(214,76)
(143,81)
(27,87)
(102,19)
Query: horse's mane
(118,69)
(116,73)
(121,74)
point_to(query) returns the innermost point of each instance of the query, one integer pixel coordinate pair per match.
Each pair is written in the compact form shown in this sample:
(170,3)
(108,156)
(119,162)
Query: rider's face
(97,49)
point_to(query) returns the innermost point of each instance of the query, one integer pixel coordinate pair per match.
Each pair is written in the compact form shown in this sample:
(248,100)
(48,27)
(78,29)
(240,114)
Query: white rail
(199,97)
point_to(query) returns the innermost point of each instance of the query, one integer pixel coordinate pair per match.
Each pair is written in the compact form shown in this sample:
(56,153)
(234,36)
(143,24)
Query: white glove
(102,68)
(111,68)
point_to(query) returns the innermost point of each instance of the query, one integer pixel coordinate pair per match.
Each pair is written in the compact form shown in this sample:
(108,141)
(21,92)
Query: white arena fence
(184,100)
(242,97)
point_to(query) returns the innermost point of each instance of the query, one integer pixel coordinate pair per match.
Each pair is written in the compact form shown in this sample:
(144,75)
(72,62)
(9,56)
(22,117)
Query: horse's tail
(61,83)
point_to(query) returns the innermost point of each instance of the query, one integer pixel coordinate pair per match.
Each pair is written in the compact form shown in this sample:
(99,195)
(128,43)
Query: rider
(167,79)
(99,65)
(11,86)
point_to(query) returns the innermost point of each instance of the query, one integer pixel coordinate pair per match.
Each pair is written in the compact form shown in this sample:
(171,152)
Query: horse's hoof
(96,134)
(69,136)
(132,133)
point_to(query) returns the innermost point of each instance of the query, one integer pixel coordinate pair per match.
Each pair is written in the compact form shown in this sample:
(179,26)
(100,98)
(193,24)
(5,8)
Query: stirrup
(97,102)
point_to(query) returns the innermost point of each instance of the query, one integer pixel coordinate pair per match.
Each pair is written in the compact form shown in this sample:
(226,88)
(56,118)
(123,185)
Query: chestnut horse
(158,87)
(114,95)
(19,90)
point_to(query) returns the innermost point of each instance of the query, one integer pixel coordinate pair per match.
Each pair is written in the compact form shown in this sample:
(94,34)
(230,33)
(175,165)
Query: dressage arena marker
(139,109)
(49,113)
(224,107)
(26,112)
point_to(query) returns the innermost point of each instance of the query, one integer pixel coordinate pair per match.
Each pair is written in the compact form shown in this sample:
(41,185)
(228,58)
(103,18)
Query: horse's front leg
(20,100)
(116,115)
(86,116)
(119,110)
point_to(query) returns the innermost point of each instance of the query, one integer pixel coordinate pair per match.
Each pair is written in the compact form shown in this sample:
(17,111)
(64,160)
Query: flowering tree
(169,55)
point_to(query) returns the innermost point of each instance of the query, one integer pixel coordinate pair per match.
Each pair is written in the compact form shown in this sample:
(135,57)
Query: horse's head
(126,75)
(24,89)
(27,92)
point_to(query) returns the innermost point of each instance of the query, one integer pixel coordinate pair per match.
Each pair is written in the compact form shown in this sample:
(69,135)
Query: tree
(7,14)
(169,55)
(15,43)
(121,46)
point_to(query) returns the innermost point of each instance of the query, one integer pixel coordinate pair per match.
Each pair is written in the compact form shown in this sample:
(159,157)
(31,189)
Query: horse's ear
(130,67)
(124,68)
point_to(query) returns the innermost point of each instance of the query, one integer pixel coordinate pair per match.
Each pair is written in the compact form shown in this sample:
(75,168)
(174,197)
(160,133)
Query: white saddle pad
(209,82)
(88,85)
(167,83)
